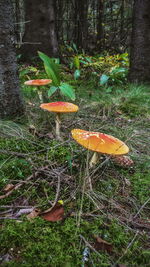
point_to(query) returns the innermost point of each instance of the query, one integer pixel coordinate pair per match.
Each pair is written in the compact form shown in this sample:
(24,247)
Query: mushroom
(99,143)
(59,107)
(37,83)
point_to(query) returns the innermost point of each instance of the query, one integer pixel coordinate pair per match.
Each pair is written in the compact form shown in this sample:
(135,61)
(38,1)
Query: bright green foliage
(67,90)
(106,62)
(27,70)
(77,74)
(117,75)
(76,62)
(104,79)
(52,90)
(112,70)
(52,69)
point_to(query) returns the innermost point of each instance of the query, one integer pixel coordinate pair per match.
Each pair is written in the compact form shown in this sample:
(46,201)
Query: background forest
(60,205)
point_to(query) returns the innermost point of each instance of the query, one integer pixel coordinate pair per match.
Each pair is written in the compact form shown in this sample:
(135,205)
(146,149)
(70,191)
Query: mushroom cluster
(94,141)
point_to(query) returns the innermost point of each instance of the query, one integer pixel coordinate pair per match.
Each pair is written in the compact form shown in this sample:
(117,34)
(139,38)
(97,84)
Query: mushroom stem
(40,95)
(58,122)
(93,160)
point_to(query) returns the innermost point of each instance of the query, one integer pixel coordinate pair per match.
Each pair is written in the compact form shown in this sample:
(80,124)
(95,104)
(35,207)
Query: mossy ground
(117,208)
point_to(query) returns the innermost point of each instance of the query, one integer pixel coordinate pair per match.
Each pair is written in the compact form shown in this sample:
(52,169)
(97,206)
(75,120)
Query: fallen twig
(17,186)
(145,203)
(126,250)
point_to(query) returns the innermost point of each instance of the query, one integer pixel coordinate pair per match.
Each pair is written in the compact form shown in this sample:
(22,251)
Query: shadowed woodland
(75,133)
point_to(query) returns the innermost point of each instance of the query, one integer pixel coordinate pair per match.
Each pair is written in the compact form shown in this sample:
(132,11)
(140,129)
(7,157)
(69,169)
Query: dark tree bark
(53,35)
(122,21)
(11,104)
(40,34)
(140,43)
(99,25)
(81,25)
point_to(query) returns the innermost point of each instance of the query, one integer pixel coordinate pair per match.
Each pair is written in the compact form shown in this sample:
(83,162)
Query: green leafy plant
(117,75)
(52,69)
(105,63)
(76,62)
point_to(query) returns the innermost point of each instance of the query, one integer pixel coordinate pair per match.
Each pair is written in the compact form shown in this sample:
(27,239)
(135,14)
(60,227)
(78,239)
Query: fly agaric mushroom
(99,143)
(37,83)
(59,107)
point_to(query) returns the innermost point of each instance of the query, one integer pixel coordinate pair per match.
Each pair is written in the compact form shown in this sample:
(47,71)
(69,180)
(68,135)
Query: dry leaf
(101,244)
(55,214)
(33,214)
(8,187)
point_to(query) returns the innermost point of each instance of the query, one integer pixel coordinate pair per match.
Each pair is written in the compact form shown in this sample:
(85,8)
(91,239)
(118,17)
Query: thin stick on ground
(56,196)
(17,186)
(142,207)
(126,250)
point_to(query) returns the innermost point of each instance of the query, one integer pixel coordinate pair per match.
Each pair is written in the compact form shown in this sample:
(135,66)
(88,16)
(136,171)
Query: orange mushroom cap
(100,142)
(38,82)
(60,107)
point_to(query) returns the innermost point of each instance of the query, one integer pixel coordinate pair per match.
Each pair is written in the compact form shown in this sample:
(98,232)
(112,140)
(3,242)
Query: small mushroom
(99,143)
(59,107)
(37,83)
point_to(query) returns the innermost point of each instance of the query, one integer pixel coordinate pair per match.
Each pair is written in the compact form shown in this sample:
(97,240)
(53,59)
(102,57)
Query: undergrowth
(117,207)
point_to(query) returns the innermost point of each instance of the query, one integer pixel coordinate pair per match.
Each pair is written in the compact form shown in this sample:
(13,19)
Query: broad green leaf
(76,62)
(52,90)
(51,68)
(88,59)
(52,76)
(67,90)
(56,60)
(51,62)
(75,47)
(23,72)
(76,74)
(104,79)
(118,70)
(83,62)
(33,69)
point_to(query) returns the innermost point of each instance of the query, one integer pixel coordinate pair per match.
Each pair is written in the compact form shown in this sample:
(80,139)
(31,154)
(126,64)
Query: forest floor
(107,225)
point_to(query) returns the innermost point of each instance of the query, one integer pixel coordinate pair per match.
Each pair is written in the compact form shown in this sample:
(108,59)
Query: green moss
(55,244)
(140,186)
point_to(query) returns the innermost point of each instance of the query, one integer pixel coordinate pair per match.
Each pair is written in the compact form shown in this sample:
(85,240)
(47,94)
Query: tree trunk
(122,22)
(11,104)
(81,25)
(40,32)
(99,25)
(140,43)
(53,35)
